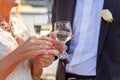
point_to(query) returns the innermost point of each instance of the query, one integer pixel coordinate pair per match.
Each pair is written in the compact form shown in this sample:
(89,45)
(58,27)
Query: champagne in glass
(42,29)
(41,25)
(63,36)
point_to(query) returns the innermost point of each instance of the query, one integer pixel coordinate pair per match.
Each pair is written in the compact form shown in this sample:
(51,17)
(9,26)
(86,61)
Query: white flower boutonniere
(107,15)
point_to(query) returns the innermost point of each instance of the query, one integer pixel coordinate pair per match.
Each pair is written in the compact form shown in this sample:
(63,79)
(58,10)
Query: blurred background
(40,3)
(30,8)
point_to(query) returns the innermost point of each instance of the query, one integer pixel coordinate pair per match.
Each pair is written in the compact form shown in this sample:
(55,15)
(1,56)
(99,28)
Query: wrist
(18,55)
(34,77)
(13,58)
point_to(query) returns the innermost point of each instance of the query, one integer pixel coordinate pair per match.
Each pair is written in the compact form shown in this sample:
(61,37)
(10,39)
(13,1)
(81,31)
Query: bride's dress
(7,44)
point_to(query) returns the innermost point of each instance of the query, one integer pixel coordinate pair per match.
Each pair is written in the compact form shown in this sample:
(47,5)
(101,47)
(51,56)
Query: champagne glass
(64,34)
(42,25)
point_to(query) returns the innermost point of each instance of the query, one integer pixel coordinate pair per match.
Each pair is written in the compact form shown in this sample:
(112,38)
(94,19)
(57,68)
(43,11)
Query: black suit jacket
(108,56)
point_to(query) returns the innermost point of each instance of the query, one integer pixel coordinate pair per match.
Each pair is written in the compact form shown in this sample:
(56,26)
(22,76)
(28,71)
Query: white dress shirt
(83,47)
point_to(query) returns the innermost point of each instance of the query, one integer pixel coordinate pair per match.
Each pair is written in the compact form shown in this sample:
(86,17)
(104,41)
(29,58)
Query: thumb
(52,35)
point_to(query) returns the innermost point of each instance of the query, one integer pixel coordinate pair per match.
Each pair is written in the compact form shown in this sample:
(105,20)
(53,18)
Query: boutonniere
(107,15)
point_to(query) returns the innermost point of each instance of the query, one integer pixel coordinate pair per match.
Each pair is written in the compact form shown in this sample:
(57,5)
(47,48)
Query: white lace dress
(8,43)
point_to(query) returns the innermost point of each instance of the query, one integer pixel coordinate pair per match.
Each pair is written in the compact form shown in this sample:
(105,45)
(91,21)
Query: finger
(51,51)
(42,51)
(36,47)
(61,49)
(37,37)
(43,42)
(33,53)
(45,62)
(43,38)
(52,35)
(33,48)
(51,57)
(47,56)
(31,41)
(57,43)
(38,43)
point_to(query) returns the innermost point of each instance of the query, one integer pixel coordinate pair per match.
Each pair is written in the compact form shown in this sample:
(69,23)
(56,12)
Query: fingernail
(51,39)
(48,51)
(37,56)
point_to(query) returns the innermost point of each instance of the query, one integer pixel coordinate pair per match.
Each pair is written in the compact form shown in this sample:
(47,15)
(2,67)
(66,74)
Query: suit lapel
(70,14)
(70,10)
(66,11)
(105,25)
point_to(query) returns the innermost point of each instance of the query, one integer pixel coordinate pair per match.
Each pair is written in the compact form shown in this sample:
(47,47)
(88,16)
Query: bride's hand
(41,61)
(32,47)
